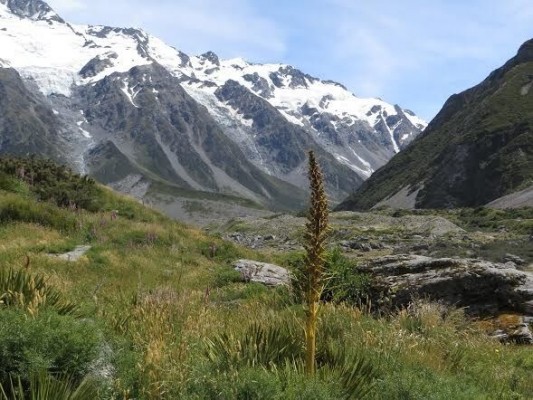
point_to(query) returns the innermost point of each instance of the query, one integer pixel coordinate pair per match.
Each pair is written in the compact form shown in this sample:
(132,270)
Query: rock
(500,335)
(511,257)
(73,255)
(267,274)
(470,253)
(349,244)
(522,335)
(365,247)
(479,286)
(420,246)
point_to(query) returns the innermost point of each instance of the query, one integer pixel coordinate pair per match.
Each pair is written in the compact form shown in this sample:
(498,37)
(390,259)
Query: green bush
(225,275)
(43,386)
(259,345)
(344,283)
(30,292)
(11,184)
(13,208)
(220,251)
(57,344)
(51,182)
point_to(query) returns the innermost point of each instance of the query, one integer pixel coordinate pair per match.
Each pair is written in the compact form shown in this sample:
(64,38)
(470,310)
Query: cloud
(404,50)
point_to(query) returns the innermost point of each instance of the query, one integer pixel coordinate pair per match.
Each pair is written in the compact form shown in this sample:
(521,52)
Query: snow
(55,68)
(340,101)
(53,54)
(364,162)
(354,167)
(416,121)
(130,92)
(391,133)
(236,115)
(85,133)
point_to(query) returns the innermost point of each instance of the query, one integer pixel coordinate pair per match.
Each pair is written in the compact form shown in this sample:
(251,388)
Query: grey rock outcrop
(479,286)
(74,255)
(260,272)
(520,335)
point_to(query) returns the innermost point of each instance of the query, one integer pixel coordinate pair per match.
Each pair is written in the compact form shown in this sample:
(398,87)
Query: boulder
(511,257)
(477,285)
(267,274)
(522,335)
(74,255)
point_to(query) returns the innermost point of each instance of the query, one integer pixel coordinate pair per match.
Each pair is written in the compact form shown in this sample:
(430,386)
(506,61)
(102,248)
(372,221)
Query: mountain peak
(36,10)
(525,52)
(211,56)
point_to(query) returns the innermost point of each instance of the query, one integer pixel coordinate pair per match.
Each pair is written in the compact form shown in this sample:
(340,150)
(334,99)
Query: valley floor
(160,312)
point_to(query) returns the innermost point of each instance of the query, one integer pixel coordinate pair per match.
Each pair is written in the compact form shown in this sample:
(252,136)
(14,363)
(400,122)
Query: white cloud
(388,44)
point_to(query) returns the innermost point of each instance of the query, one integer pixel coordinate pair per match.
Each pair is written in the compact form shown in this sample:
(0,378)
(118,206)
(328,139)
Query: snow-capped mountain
(361,133)
(122,105)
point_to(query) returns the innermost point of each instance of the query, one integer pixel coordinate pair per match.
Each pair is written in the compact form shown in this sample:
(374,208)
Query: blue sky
(414,53)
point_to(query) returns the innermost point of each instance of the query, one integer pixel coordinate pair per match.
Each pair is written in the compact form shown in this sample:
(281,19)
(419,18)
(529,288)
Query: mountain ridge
(69,64)
(477,149)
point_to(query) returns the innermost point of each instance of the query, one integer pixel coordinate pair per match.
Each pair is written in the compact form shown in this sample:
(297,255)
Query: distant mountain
(476,150)
(125,107)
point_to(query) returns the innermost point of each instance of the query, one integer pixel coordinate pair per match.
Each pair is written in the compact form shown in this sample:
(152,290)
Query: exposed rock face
(479,286)
(27,124)
(190,124)
(268,274)
(33,9)
(282,146)
(521,335)
(74,255)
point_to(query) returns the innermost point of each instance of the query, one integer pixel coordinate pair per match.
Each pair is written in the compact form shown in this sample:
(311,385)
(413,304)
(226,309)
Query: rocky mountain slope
(122,105)
(476,150)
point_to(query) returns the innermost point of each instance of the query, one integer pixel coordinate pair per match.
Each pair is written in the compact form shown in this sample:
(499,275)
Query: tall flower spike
(315,237)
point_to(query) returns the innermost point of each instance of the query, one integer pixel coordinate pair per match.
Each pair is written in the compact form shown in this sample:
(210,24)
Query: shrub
(219,251)
(13,208)
(57,344)
(31,292)
(225,275)
(260,345)
(344,283)
(43,386)
(52,182)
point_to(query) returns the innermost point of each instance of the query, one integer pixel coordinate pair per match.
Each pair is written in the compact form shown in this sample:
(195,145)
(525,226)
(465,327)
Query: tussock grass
(161,297)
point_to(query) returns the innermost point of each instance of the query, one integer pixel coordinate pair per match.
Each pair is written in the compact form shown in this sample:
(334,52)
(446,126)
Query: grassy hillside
(477,149)
(154,311)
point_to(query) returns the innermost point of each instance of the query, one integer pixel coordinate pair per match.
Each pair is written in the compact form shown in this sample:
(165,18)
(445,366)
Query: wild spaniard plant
(317,228)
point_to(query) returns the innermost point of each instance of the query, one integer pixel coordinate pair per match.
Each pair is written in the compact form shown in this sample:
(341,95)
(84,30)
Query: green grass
(154,295)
